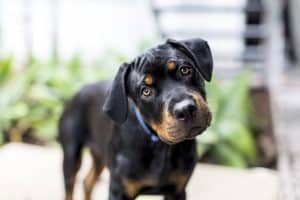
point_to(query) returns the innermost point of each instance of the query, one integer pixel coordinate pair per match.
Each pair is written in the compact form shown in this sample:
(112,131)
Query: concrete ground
(286,114)
(34,173)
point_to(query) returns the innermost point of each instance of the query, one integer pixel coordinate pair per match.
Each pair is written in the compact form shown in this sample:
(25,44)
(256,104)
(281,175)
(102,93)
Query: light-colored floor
(34,173)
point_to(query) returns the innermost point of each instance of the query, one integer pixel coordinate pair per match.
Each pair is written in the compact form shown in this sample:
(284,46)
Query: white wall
(88,27)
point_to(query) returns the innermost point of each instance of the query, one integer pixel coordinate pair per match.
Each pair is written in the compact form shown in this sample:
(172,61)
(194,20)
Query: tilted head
(166,84)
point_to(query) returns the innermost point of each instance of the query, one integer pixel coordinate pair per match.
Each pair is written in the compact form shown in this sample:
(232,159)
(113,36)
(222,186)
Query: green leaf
(1,137)
(19,110)
(5,69)
(226,155)
(209,137)
(75,65)
(215,98)
(235,103)
(239,137)
(230,137)
(201,149)
(46,129)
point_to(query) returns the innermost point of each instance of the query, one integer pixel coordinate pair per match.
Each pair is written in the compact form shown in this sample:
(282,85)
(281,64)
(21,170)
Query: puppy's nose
(185,110)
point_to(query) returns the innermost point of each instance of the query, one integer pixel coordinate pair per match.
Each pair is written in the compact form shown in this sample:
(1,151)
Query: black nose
(185,110)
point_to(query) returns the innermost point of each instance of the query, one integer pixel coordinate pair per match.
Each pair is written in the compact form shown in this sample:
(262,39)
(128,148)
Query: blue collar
(146,128)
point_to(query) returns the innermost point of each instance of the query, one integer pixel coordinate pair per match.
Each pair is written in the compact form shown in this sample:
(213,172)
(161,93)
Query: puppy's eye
(186,70)
(146,91)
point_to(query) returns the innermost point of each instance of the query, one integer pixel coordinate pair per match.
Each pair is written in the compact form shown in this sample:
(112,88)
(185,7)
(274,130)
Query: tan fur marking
(171,65)
(160,130)
(168,120)
(132,187)
(179,179)
(202,105)
(199,99)
(161,127)
(68,196)
(69,193)
(149,80)
(91,179)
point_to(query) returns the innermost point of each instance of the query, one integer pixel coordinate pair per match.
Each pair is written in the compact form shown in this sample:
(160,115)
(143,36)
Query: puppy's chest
(157,168)
(169,168)
(172,181)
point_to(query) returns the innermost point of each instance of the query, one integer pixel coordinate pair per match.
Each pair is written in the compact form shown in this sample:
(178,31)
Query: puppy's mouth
(178,135)
(195,131)
(175,128)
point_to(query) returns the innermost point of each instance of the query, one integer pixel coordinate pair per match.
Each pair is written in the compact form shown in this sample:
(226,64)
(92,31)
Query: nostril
(185,110)
(192,110)
(180,115)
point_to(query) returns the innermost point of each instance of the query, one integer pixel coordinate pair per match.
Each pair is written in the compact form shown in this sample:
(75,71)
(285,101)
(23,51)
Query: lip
(195,131)
(174,140)
(173,132)
(191,134)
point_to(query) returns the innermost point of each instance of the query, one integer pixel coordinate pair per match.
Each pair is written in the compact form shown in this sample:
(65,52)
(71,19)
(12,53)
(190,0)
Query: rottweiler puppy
(143,129)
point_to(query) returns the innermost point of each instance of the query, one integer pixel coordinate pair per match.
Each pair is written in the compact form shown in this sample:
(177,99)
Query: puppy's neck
(146,128)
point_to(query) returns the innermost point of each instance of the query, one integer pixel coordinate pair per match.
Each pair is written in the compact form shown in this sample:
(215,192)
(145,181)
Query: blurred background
(49,49)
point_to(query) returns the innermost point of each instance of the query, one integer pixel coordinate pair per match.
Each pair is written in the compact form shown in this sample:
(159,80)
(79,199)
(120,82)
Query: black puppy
(156,106)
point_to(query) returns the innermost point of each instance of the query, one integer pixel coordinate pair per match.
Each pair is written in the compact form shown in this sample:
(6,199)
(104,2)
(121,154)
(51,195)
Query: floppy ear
(199,51)
(116,103)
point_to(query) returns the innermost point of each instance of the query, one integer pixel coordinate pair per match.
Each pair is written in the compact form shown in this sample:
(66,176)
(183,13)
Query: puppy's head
(166,84)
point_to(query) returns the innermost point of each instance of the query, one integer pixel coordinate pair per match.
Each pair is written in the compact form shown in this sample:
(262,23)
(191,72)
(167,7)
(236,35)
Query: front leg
(176,196)
(117,191)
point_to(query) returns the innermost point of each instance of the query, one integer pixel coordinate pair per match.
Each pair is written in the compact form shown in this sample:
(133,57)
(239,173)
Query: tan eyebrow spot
(171,65)
(149,80)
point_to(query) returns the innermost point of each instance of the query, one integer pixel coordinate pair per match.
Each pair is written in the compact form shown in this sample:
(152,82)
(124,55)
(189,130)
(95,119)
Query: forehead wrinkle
(140,62)
(154,60)
(135,81)
(158,54)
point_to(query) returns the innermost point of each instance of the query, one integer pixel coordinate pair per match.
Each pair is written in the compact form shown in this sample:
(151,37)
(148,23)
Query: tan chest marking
(161,127)
(179,179)
(132,187)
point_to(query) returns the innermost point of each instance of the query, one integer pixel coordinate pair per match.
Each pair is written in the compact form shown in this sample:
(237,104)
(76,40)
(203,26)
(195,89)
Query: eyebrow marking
(171,65)
(149,80)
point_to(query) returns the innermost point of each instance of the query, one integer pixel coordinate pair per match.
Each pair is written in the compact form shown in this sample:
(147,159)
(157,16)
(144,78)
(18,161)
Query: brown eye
(186,70)
(146,91)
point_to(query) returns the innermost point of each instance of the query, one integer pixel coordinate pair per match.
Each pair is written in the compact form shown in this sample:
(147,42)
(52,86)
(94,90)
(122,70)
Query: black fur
(117,139)
(200,52)
(116,104)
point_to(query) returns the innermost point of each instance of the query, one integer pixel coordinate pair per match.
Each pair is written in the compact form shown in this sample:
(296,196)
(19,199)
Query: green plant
(230,140)
(31,99)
